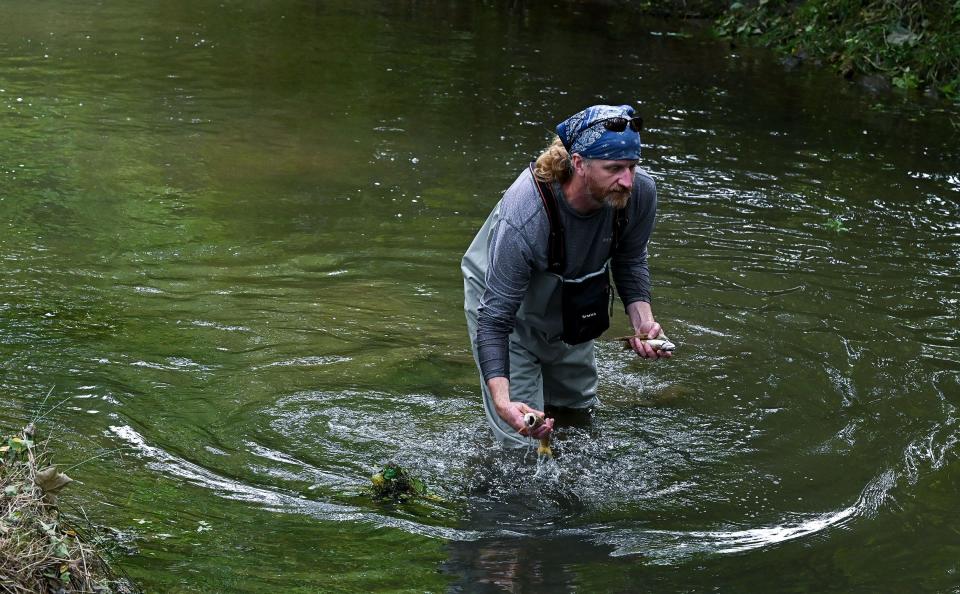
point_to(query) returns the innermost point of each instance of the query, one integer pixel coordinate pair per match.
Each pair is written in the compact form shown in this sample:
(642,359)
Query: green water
(231,243)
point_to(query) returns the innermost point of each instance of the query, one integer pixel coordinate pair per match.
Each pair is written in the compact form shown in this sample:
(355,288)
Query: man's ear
(578,162)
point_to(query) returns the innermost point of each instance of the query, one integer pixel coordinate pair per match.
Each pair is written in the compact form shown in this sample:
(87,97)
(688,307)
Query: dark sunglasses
(620,124)
(617,124)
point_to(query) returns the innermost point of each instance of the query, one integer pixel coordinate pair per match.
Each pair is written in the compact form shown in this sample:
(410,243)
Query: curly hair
(553,164)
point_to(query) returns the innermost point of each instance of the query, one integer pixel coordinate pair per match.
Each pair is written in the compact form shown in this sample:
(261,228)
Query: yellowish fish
(533,421)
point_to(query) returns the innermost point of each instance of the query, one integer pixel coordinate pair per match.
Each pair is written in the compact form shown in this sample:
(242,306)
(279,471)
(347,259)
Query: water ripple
(174,466)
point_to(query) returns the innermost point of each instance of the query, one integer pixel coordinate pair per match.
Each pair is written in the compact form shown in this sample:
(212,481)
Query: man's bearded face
(605,189)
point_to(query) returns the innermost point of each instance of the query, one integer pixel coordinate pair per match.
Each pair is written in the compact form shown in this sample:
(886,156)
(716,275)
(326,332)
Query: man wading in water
(536,277)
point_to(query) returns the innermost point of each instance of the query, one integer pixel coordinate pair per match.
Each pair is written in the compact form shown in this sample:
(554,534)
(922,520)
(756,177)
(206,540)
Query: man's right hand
(512,412)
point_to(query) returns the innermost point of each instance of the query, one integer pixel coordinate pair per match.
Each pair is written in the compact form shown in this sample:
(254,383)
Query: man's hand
(645,326)
(648,329)
(512,412)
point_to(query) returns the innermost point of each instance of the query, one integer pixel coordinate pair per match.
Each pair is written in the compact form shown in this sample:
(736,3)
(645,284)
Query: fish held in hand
(662,343)
(532,421)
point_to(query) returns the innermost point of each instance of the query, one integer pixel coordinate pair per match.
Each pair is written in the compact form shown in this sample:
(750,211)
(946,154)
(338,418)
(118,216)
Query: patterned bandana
(589,137)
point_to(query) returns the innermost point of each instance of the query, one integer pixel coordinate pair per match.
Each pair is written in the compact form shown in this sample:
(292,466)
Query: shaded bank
(901,43)
(910,45)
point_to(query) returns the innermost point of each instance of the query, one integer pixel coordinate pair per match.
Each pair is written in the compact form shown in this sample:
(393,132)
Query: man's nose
(625,179)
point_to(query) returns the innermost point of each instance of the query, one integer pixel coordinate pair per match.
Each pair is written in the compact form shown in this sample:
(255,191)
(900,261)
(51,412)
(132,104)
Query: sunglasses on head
(617,124)
(620,124)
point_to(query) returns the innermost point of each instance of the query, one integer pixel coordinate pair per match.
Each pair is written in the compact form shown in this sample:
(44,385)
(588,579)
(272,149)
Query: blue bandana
(584,133)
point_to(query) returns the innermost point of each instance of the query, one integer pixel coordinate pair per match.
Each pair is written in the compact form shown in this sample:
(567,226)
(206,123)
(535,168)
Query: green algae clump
(394,483)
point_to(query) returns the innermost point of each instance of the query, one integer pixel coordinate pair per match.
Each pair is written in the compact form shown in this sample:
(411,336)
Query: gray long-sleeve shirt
(516,250)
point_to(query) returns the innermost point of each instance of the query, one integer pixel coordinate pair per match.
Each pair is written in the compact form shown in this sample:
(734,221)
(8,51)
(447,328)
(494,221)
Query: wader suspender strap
(556,255)
(620,221)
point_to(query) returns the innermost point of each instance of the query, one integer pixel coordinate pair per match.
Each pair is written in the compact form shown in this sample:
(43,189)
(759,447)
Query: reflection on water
(232,246)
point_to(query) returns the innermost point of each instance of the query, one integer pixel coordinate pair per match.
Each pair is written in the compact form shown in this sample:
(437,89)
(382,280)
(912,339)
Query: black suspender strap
(555,249)
(620,221)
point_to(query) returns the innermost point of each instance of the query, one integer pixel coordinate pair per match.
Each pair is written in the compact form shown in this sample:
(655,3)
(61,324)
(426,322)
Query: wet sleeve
(630,270)
(508,274)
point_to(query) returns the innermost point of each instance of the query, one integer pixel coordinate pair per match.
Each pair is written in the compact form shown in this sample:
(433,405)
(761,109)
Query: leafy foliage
(914,44)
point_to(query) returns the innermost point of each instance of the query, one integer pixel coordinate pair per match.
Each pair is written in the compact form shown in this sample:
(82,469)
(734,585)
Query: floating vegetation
(395,483)
(836,224)
(39,552)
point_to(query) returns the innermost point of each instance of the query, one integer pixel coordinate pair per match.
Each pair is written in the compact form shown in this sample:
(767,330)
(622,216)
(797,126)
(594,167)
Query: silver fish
(658,344)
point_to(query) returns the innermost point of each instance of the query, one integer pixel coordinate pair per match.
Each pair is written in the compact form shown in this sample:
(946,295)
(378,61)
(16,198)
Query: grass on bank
(39,552)
(913,44)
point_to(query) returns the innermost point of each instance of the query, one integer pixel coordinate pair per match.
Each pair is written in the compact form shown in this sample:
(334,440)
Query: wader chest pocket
(585,304)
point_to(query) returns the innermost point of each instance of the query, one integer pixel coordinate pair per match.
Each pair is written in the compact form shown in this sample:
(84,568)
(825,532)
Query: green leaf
(418,486)
(836,225)
(900,35)
(47,527)
(19,445)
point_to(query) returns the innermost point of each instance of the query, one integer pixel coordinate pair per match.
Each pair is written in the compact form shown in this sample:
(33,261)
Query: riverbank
(884,44)
(39,551)
(902,44)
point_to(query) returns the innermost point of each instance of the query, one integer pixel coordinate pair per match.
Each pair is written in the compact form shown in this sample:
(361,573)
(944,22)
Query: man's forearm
(499,391)
(640,313)
(514,413)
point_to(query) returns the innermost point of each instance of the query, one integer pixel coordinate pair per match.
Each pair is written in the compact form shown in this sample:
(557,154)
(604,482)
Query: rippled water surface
(230,255)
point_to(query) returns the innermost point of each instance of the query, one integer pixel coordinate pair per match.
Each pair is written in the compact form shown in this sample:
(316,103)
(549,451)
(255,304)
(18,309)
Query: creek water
(232,233)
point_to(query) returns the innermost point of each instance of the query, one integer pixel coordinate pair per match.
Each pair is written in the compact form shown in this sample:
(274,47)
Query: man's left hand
(648,330)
